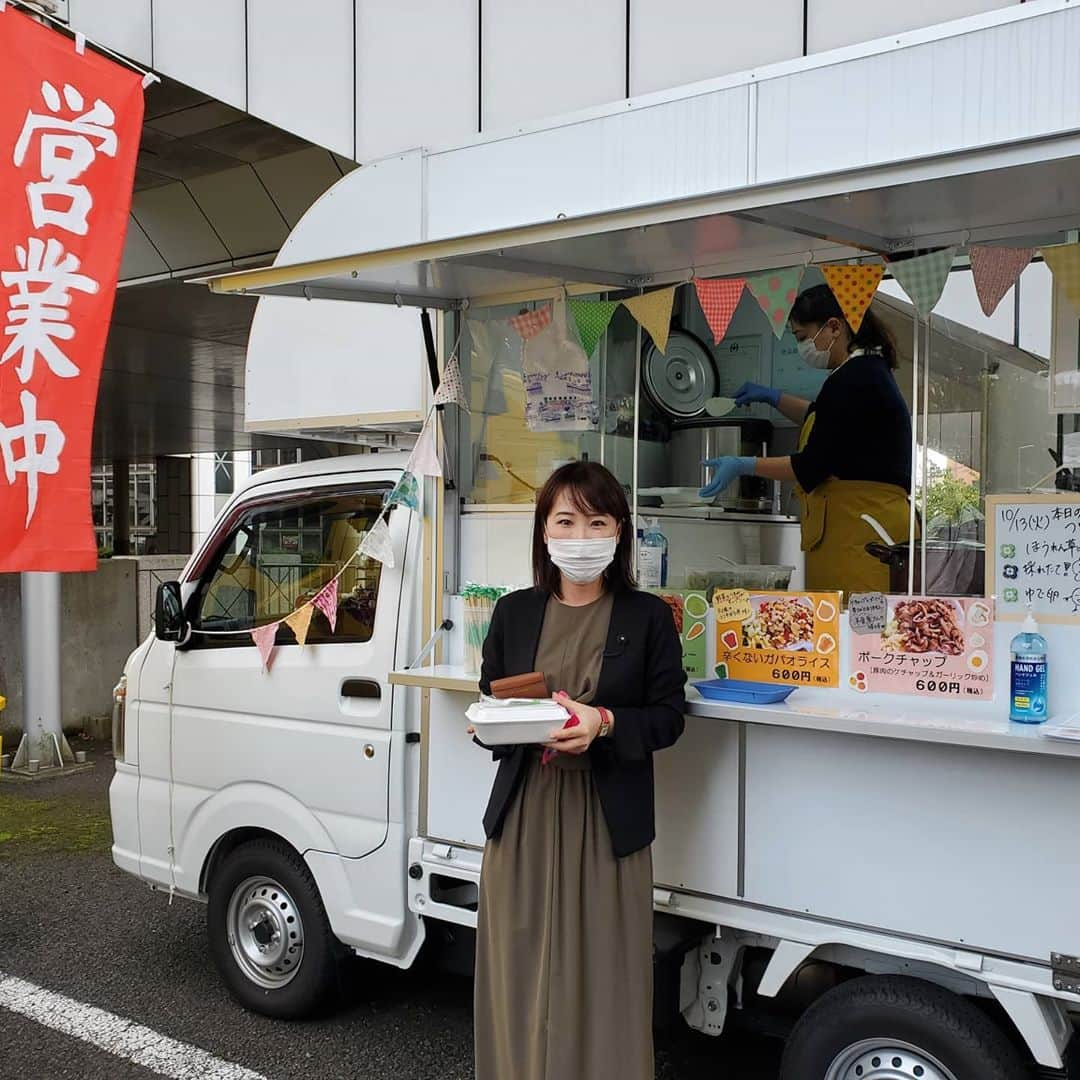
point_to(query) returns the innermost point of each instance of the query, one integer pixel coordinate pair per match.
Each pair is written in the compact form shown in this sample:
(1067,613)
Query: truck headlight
(118,717)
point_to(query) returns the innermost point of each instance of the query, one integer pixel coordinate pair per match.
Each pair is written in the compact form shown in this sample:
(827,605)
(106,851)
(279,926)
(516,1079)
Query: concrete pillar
(121,485)
(41,670)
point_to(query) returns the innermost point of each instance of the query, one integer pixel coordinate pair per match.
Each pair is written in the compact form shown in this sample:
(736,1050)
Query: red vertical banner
(69,135)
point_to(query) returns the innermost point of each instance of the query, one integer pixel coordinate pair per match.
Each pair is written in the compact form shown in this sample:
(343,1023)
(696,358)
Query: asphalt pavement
(74,925)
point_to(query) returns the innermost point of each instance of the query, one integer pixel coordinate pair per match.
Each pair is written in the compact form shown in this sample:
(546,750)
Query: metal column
(43,738)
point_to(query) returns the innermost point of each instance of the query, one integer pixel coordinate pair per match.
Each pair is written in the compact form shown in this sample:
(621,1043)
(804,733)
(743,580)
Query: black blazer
(641,681)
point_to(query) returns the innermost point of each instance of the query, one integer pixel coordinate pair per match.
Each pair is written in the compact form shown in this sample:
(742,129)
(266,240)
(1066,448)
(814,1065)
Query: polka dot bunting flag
(854,288)
(775,292)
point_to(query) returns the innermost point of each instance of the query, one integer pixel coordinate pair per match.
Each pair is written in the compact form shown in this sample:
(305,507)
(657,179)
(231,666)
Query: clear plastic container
(768,578)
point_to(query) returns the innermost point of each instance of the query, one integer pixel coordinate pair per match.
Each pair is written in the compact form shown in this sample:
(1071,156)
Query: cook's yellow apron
(834,536)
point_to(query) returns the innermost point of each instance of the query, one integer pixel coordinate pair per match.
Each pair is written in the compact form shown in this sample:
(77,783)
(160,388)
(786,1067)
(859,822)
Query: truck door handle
(361,688)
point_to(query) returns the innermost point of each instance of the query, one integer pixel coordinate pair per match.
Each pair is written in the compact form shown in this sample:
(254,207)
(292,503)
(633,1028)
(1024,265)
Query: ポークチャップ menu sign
(930,646)
(1033,555)
(777,637)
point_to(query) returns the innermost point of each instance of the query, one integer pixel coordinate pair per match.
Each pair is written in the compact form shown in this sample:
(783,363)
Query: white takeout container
(512,722)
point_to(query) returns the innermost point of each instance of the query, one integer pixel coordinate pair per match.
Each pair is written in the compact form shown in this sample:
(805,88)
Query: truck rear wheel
(896,1028)
(269,934)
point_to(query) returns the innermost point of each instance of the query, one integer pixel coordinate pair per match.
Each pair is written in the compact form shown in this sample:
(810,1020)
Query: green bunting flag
(592,318)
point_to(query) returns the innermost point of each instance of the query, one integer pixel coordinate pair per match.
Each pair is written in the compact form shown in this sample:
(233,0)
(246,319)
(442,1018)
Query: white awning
(917,141)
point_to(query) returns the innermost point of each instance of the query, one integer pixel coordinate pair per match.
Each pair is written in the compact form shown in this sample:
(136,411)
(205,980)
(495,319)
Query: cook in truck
(854,449)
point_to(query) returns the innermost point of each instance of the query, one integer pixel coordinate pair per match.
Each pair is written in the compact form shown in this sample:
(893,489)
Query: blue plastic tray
(745,693)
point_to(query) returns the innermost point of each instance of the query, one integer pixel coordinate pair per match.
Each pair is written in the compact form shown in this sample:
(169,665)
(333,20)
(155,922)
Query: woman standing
(854,449)
(564,941)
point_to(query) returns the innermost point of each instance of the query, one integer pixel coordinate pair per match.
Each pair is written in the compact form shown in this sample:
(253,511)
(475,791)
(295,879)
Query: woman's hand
(578,739)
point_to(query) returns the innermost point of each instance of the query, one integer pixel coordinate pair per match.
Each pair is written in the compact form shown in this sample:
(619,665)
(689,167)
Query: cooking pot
(953,567)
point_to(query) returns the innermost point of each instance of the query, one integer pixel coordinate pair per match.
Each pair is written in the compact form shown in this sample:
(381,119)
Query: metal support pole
(42,715)
(637,440)
(121,506)
(914,452)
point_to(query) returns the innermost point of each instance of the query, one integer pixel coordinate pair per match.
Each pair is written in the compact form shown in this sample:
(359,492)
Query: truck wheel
(269,935)
(896,1028)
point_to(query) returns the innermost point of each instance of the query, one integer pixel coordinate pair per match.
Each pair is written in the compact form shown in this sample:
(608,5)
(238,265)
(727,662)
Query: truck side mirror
(169,622)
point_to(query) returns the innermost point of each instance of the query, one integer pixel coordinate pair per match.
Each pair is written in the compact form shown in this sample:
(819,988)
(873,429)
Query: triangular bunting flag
(653,311)
(377,543)
(424,459)
(854,288)
(406,493)
(264,638)
(719,297)
(326,602)
(995,270)
(592,318)
(299,622)
(451,387)
(530,323)
(775,293)
(1064,263)
(923,278)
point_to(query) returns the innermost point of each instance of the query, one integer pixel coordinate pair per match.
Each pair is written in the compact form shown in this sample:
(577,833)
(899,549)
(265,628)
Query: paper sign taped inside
(867,613)
(732,605)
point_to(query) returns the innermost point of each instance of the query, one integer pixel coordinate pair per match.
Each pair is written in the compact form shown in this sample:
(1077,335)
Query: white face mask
(583,560)
(810,354)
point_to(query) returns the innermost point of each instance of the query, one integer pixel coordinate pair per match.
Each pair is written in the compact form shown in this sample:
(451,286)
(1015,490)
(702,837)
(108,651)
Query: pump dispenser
(1029,675)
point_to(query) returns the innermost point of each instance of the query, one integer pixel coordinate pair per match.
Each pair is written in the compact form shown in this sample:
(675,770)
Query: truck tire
(269,934)
(892,1027)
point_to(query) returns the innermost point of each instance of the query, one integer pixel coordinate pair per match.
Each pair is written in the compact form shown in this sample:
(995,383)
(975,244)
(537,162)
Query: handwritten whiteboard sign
(1033,556)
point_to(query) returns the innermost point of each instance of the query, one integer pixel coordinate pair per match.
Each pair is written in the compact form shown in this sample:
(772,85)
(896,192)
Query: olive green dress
(564,942)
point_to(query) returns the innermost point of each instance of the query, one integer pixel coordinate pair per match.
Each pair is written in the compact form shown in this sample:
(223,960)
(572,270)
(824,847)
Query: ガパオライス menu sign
(788,638)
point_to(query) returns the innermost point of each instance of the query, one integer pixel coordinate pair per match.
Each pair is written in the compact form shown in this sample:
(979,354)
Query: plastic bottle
(1028,702)
(652,557)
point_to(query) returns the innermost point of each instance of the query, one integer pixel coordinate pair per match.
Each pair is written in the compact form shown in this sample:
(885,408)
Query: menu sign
(1033,556)
(690,611)
(787,638)
(940,647)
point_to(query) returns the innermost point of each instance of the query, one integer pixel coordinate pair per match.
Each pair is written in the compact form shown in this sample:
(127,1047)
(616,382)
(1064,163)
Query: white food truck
(896,875)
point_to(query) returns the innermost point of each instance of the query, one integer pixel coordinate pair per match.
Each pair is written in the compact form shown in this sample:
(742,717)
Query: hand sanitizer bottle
(1028,677)
(652,557)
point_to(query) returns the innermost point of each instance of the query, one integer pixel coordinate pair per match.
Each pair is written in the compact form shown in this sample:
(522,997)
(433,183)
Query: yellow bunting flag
(854,288)
(299,622)
(1064,262)
(653,311)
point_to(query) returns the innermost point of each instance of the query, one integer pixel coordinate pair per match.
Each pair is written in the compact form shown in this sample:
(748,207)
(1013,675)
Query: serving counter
(939,821)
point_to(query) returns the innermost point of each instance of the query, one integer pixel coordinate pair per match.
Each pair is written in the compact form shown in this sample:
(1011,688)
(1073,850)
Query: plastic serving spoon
(719,406)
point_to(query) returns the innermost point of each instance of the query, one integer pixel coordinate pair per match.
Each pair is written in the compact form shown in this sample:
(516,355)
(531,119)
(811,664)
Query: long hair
(592,489)
(817,305)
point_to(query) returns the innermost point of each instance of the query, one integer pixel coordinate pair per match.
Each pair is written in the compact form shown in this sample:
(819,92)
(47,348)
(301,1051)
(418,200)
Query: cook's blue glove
(751,392)
(726,469)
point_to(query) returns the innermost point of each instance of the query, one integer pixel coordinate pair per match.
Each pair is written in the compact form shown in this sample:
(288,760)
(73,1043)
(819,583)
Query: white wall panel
(300,70)
(554,58)
(674,42)
(202,43)
(630,158)
(946,95)
(416,74)
(833,23)
(123,25)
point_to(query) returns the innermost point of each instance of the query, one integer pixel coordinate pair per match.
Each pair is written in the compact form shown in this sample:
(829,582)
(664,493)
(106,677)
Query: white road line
(115,1035)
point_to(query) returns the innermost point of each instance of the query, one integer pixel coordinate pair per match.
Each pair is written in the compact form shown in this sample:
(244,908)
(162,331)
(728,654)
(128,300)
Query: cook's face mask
(810,354)
(583,560)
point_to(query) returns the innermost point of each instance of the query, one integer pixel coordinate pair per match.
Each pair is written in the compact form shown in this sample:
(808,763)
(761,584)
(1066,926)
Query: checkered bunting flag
(923,278)
(719,297)
(530,323)
(995,270)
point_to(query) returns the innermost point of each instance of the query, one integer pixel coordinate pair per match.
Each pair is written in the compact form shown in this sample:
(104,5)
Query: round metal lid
(682,379)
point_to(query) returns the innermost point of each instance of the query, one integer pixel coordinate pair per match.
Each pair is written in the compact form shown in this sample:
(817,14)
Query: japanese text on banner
(69,135)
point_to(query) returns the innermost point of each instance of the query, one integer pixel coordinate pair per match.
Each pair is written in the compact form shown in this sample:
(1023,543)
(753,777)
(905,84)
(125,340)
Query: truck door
(312,731)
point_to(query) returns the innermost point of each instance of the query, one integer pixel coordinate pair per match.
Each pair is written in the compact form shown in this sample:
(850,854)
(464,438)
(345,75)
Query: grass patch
(35,826)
